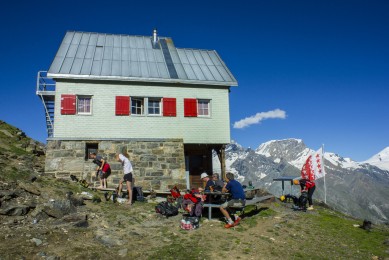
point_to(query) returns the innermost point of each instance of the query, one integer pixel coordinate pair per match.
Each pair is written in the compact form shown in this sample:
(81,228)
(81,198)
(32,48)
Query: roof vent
(155,37)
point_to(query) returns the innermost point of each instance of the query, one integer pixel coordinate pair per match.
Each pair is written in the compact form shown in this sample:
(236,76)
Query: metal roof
(98,56)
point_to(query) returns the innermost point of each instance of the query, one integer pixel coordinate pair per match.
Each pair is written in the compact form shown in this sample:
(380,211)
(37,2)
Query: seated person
(207,182)
(216,184)
(238,198)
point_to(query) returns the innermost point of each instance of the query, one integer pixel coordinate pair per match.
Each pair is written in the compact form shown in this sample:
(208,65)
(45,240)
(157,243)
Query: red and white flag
(313,168)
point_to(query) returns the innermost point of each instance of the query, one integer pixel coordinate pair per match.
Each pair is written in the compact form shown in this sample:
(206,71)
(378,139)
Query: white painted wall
(103,123)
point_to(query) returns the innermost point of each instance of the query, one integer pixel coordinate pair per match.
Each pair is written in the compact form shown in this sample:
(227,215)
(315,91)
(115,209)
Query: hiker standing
(309,187)
(238,198)
(127,170)
(103,169)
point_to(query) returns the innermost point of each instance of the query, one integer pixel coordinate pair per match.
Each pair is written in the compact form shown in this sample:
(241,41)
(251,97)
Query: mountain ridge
(358,189)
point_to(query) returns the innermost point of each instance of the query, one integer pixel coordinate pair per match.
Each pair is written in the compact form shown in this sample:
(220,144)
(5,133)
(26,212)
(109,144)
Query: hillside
(46,218)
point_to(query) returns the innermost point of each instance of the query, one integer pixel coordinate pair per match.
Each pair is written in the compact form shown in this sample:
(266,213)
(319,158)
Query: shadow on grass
(253,212)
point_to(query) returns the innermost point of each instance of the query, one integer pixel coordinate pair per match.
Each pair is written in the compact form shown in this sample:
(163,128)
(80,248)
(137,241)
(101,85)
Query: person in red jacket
(309,187)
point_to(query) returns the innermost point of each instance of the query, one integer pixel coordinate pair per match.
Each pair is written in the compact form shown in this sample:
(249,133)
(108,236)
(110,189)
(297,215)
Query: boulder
(29,188)
(15,210)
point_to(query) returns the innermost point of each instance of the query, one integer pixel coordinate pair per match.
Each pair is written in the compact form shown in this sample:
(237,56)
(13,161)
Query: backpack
(166,209)
(303,199)
(137,193)
(189,223)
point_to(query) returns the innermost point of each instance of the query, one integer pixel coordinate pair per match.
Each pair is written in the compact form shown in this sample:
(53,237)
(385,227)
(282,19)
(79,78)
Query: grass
(336,236)
(179,249)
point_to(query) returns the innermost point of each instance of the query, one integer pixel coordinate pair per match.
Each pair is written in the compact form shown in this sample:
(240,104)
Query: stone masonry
(157,164)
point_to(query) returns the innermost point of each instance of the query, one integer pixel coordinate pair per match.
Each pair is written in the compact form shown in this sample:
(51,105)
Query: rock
(36,241)
(60,208)
(54,212)
(29,188)
(7,195)
(82,224)
(106,239)
(38,214)
(123,252)
(18,210)
(53,258)
(75,217)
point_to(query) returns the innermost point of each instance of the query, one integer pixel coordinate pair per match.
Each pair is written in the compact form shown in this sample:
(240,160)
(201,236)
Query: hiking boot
(310,208)
(237,220)
(228,225)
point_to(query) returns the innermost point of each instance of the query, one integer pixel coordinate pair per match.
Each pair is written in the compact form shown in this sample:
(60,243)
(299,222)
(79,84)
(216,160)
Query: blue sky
(325,64)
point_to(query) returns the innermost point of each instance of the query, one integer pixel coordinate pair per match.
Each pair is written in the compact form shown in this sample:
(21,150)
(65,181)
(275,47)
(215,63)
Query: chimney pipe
(155,36)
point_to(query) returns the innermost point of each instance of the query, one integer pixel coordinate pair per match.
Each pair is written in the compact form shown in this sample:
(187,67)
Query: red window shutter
(122,106)
(68,104)
(169,107)
(190,107)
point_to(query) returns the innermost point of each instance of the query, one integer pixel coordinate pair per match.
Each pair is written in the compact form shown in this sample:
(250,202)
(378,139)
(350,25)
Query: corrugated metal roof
(85,55)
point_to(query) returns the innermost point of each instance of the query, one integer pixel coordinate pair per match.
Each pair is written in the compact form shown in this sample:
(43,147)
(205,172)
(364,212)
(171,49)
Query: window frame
(78,103)
(201,101)
(160,107)
(142,107)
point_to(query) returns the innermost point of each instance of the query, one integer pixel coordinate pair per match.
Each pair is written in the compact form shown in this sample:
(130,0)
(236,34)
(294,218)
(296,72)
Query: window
(196,107)
(90,148)
(137,106)
(154,106)
(84,105)
(203,107)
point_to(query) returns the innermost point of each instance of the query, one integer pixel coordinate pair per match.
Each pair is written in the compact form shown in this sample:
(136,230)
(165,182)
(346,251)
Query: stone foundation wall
(157,164)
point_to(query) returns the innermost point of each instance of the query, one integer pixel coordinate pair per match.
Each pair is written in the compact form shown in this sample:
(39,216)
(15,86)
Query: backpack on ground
(166,209)
(137,193)
(189,223)
(303,199)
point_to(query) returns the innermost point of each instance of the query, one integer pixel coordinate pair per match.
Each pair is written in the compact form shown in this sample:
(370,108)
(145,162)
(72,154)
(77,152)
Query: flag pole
(325,186)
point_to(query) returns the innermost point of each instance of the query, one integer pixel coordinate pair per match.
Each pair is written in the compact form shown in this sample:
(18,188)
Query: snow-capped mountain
(358,189)
(381,159)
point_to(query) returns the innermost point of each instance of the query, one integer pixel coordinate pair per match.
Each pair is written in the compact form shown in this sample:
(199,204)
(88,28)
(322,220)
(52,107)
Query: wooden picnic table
(289,179)
(217,204)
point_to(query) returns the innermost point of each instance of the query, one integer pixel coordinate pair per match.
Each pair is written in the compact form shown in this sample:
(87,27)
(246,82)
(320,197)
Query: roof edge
(133,79)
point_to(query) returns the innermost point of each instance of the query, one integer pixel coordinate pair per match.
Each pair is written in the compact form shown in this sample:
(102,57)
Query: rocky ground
(57,219)
(46,218)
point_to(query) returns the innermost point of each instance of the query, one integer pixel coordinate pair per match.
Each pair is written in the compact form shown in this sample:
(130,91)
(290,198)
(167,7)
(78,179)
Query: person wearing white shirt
(127,170)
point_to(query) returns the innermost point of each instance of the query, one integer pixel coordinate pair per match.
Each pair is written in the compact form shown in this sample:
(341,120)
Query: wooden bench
(160,192)
(254,201)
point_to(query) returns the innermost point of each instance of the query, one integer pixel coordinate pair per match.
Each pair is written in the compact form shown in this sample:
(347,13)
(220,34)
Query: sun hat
(203,175)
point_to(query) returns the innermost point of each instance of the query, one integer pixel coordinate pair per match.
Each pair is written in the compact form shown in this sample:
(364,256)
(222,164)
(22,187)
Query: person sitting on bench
(238,199)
